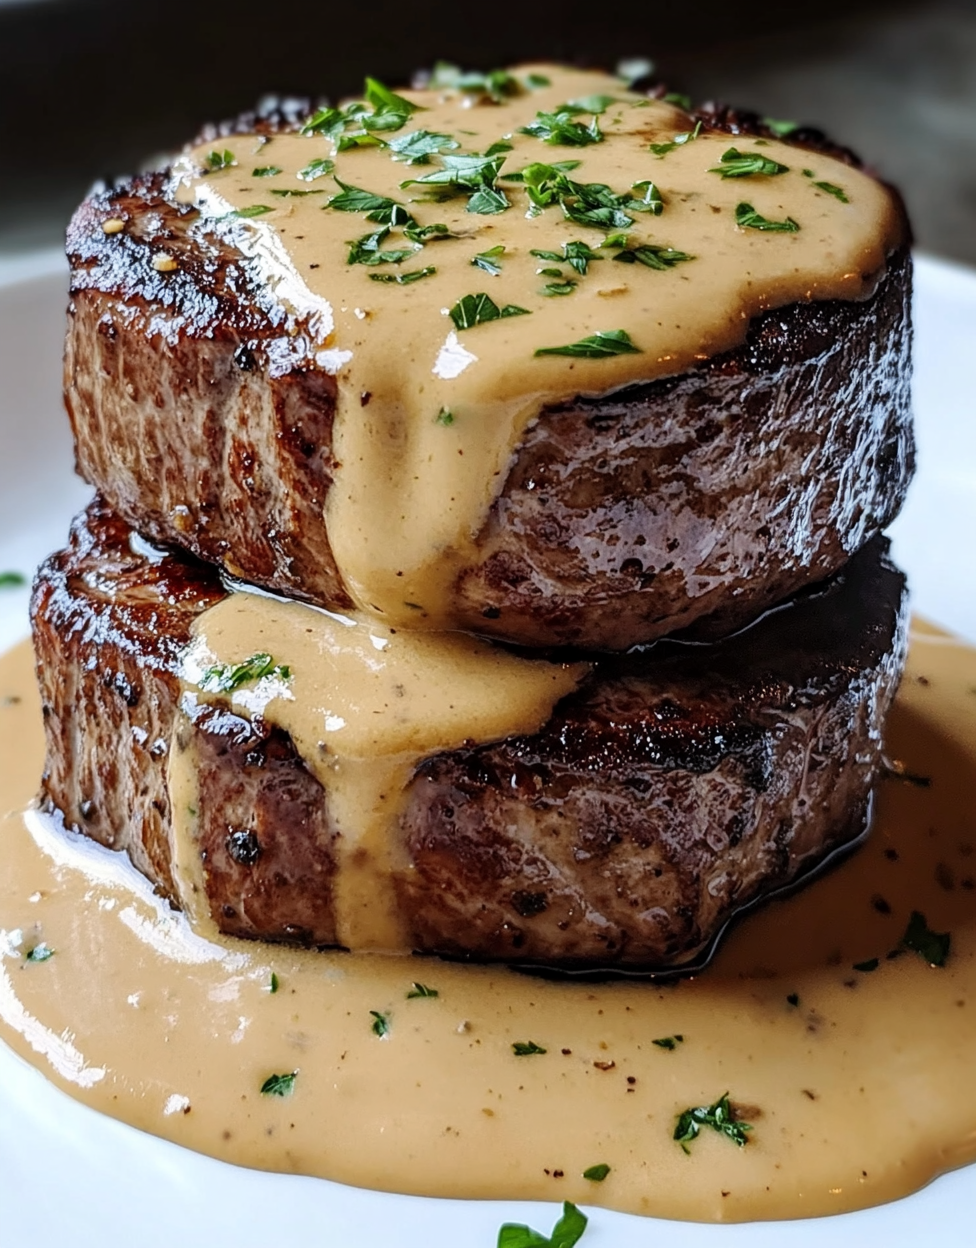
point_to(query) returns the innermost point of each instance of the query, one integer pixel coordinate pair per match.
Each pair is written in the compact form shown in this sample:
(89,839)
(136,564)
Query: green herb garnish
(367,250)
(736,164)
(596,347)
(919,937)
(417,147)
(40,953)
(252,210)
(831,189)
(653,256)
(498,84)
(565,287)
(273,984)
(265,171)
(538,81)
(720,1117)
(490,261)
(747,217)
(596,1174)
(279,1085)
(527,1048)
(780,128)
(227,677)
(651,200)
(576,254)
(12,580)
(587,104)
(679,140)
(286,192)
(384,100)
(426,233)
(329,121)
(565,1233)
(444,417)
(561,128)
(488,201)
(353,199)
(317,168)
(478,309)
(380,1025)
(220,160)
(467,173)
(422,990)
(871,964)
(403,279)
(669,1042)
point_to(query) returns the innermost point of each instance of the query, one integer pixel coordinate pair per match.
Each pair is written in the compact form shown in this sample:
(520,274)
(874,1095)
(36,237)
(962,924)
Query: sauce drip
(859,1092)
(428,415)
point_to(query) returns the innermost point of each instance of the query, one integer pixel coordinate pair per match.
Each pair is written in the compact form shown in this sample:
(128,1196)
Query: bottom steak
(678,784)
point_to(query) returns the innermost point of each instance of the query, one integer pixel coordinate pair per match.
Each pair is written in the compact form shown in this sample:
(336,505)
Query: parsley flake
(831,189)
(561,128)
(565,1233)
(527,1048)
(596,1174)
(597,347)
(40,953)
(497,85)
(651,201)
(384,100)
(317,168)
(478,309)
(538,81)
(227,677)
(12,580)
(919,937)
(669,1042)
(279,1085)
(252,210)
(403,279)
(220,160)
(426,233)
(653,256)
(490,261)
(273,984)
(353,199)
(417,147)
(444,417)
(576,254)
(587,104)
(366,250)
(265,171)
(736,164)
(780,128)
(286,192)
(747,218)
(565,287)
(720,1117)
(422,990)
(679,140)
(380,1026)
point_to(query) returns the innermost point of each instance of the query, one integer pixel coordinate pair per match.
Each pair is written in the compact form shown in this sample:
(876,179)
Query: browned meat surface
(679,784)
(201,417)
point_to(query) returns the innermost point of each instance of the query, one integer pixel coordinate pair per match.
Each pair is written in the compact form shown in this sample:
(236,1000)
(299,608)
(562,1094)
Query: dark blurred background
(90,88)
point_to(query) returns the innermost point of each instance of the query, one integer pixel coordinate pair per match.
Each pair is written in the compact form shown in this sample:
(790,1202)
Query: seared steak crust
(200,414)
(677,785)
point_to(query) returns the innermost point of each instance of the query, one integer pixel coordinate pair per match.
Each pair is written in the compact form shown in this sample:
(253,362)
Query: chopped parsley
(403,279)
(252,210)
(477,309)
(585,203)
(273,984)
(831,189)
(596,1174)
(736,164)
(669,1042)
(464,172)
(380,1025)
(12,580)
(563,129)
(426,233)
(588,104)
(599,345)
(720,1117)
(286,192)
(385,101)
(488,201)
(40,953)
(527,1048)
(379,208)
(422,990)
(576,254)
(564,287)
(417,147)
(227,677)
(220,160)
(490,261)
(565,1233)
(679,140)
(317,168)
(367,250)
(650,201)
(497,85)
(919,937)
(266,171)
(747,217)
(653,256)
(871,964)
(538,80)
(444,417)
(279,1085)
(780,128)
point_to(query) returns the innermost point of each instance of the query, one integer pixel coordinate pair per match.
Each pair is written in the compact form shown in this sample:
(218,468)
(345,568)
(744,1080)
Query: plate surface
(69,1175)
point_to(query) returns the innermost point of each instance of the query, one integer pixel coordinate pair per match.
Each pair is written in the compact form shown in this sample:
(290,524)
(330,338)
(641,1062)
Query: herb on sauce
(317,168)
(538,80)
(286,192)
(565,287)
(557,166)
(403,279)
(40,953)
(603,343)
(596,1174)
(367,250)
(736,164)
(12,580)
(747,217)
(279,1085)
(444,417)
(919,937)
(565,1233)
(386,101)
(464,172)
(527,1048)
(380,1025)
(488,201)
(587,104)
(586,203)
(679,140)
(422,990)
(252,210)
(265,171)
(417,147)
(353,199)
(226,677)
(220,160)
(576,254)
(871,964)
(273,984)
(651,200)
(780,128)
(653,256)
(496,85)
(477,309)
(426,233)
(561,128)
(669,1042)
(490,261)
(831,189)
(720,1117)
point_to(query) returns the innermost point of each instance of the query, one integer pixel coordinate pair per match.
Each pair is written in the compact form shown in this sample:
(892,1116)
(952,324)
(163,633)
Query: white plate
(69,1176)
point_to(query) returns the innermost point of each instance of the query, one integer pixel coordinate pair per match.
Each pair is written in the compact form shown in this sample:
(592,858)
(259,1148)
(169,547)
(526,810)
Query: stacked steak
(708,543)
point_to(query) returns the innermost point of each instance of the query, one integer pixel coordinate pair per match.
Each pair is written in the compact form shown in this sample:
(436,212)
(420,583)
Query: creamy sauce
(429,415)
(363,704)
(858,1094)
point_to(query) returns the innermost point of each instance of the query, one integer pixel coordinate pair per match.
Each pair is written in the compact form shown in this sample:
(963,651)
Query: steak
(678,784)
(693,501)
